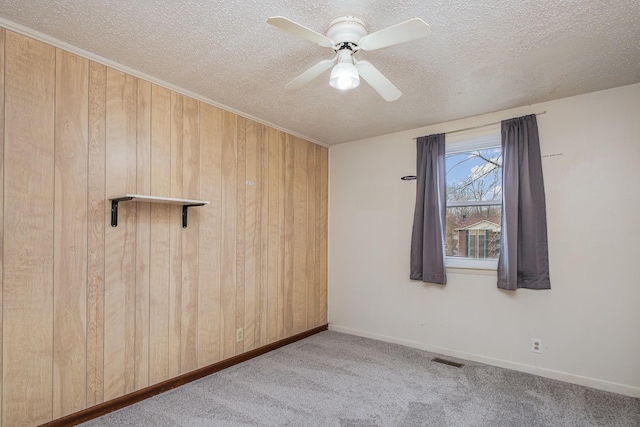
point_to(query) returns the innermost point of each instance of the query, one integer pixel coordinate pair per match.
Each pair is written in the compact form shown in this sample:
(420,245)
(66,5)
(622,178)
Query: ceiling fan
(347,35)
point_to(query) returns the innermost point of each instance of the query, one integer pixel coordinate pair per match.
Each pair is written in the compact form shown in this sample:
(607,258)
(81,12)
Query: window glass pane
(481,222)
(474,175)
(472,244)
(494,245)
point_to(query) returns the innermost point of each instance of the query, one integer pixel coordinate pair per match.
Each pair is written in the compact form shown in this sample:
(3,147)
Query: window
(474,201)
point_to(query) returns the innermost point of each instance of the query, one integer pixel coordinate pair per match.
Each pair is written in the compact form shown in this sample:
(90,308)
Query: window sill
(471,264)
(471,272)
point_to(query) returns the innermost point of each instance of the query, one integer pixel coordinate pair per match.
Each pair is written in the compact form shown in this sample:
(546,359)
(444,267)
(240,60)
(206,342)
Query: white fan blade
(378,81)
(407,31)
(310,74)
(298,30)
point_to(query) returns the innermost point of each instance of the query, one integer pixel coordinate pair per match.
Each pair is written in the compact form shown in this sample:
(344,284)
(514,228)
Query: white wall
(589,322)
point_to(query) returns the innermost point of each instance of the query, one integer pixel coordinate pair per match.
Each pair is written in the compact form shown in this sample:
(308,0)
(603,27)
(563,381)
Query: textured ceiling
(481,56)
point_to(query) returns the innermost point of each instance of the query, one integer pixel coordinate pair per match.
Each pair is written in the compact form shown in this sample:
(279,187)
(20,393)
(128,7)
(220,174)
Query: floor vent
(447,362)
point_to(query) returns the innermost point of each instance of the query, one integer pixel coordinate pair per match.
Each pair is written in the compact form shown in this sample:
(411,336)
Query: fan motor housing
(346,29)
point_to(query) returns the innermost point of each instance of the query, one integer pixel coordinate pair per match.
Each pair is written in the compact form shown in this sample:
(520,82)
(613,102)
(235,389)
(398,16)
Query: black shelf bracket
(114,209)
(184,213)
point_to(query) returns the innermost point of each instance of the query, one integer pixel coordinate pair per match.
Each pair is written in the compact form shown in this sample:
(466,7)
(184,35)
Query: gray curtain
(524,254)
(427,238)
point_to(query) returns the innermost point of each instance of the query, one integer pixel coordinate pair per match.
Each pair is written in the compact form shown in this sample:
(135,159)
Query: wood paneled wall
(91,312)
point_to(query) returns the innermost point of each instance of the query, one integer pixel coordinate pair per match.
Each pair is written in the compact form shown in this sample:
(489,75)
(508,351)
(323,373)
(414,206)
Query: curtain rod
(478,127)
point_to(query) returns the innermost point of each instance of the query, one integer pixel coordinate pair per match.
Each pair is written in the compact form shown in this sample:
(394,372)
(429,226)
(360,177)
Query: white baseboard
(543,372)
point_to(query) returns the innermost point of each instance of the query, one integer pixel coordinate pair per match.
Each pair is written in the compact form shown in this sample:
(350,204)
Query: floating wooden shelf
(185,203)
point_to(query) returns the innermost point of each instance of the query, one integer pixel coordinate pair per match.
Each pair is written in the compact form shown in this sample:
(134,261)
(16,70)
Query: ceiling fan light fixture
(344,76)
(347,36)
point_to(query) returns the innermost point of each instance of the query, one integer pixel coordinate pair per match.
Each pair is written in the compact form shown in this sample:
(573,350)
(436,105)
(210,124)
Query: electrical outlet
(536,345)
(240,335)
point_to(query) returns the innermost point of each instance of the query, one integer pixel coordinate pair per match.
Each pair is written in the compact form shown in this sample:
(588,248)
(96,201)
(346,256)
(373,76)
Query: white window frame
(487,137)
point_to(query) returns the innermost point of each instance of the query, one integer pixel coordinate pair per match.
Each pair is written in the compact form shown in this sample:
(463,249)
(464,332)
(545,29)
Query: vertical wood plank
(262,209)
(310,226)
(210,235)
(229,223)
(289,228)
(300,237)
(70,234)
(175,234)
(28,231)
(160,222)
(120,280)
(282,208)
(317,164)
(241,211)
(275,143)
(143,234)
(96,230)
(251,235)
(255,231)
(2,56)
(190,258)
(317,225)
(321,295)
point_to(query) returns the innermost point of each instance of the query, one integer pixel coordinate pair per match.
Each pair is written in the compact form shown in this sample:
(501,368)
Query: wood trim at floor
(147,392)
